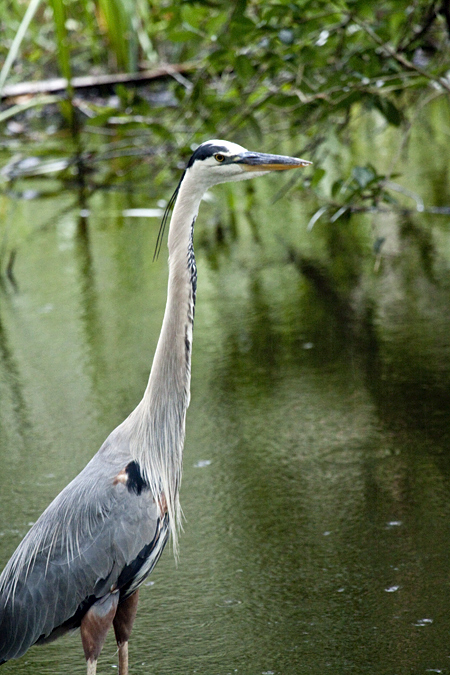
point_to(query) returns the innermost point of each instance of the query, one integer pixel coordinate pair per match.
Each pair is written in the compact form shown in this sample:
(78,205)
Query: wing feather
(94,530)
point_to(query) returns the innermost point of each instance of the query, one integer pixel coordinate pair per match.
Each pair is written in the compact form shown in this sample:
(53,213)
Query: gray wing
(101,533)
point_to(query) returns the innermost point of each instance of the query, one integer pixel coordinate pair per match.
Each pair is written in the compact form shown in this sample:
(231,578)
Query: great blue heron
(82,562)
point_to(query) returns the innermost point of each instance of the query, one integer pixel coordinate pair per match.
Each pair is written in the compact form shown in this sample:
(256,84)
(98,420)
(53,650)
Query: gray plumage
(84,559)
(77,551)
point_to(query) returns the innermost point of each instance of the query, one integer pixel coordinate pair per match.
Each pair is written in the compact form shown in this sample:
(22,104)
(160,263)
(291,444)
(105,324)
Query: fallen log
(89,81)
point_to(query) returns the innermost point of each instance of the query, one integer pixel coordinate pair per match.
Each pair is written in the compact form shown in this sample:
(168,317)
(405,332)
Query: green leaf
(388,110)
(285,101)
(363,175)
(243,67)
(181,35)
(337,187)
(317,177)
(240,29)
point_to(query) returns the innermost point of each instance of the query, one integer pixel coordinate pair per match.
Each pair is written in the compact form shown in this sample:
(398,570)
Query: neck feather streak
(156,428)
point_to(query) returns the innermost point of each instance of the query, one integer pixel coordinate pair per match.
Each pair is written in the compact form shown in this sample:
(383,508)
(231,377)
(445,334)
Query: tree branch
(409,65)
(88,81)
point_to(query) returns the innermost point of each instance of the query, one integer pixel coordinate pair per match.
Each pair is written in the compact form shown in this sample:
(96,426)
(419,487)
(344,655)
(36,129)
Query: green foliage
(116,19)
(16,43)
(299,70)
(62,42)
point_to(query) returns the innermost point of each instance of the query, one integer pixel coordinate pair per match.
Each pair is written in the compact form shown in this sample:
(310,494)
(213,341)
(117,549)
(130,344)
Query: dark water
(317,473)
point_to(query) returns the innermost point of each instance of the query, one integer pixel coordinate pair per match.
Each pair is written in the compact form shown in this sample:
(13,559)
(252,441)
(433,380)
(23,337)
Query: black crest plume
(165,218)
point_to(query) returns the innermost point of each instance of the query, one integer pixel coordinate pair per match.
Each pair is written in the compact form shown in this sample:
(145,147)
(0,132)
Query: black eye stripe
(205,151)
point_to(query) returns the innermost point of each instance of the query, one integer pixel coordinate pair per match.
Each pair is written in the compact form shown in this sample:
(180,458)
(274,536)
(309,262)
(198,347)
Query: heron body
(82,562)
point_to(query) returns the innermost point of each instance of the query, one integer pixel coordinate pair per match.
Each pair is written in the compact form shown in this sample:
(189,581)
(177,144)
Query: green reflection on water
(316,465)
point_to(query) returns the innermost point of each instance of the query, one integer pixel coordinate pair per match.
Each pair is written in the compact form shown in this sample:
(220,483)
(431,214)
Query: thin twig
(429,19)
(407,132)
(399,58)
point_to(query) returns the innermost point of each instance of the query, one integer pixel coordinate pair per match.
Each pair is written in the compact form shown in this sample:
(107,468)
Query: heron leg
(91,667)
(123,658)
(94,628)
(123,624)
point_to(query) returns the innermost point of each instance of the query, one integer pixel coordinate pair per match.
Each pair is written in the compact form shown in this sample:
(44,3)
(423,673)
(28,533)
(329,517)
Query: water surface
(316,474)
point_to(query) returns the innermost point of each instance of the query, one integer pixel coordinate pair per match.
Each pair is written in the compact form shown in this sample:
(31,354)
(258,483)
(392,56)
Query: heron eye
(219,157)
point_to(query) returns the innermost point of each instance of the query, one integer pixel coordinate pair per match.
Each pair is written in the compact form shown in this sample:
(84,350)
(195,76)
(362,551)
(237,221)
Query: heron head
(220,161)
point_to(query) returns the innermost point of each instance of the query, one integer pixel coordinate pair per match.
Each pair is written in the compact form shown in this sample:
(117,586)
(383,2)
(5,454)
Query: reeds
(115,33)
(15,47)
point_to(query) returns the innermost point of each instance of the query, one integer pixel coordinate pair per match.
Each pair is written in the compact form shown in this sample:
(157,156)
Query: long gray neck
(156,428)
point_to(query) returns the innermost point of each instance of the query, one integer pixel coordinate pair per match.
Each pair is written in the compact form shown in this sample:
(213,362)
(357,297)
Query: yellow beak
(259,161)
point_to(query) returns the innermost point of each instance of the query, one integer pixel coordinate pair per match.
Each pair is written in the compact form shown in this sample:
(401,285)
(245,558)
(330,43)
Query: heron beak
(258,161)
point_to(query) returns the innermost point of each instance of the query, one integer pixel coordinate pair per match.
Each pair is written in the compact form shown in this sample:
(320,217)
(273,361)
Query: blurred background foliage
(311,77)
(300,70)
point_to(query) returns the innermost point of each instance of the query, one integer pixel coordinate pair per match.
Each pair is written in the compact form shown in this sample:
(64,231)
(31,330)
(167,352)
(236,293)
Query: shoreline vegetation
(349,86)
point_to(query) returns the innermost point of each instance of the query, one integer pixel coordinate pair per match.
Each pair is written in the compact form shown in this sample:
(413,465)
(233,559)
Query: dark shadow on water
(90,317)
(11,380)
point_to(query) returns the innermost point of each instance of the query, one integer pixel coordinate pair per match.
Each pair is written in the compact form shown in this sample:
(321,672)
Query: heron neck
(170,374)
(156,428)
